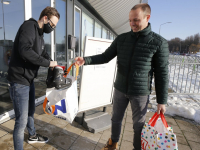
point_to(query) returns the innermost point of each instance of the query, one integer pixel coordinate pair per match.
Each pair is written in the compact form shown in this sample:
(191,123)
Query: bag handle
(152,121)
(70,67)
(44,106)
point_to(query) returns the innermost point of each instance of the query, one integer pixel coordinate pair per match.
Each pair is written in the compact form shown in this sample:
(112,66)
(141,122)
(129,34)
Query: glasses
(53,25)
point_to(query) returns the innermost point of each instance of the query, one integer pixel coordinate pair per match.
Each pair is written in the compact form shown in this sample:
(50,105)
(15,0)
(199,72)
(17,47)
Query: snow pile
(181,106)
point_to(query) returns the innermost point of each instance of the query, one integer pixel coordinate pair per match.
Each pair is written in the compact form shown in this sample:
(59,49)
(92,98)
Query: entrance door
(11,17)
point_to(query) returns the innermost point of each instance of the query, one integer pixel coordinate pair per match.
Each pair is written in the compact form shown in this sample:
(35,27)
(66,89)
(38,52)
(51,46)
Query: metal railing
(184,75)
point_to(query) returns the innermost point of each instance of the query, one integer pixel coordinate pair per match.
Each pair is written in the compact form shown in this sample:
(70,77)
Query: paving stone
(4,146)
(42,120)
(75,124)
(183,147)
(129,119)
(2,132)
(7,139)
(35,115)
(58,122)
(176,129)
(171,121)
(72,131)
(181,139)
(63,140)
(150,114)
(128,127)
(82,144)
(39,110)
(128,136)
(126,145)
(8,125)
(198,126)
(101,143)
(6,142)
(50,146)
(109,109)
(186,126)
(147,119)
(120,139)
(27,146)
(124,121)
(129,113)
(192,136)
(91,137)
(106,135)
(194,145)
(49,130)
(46,115)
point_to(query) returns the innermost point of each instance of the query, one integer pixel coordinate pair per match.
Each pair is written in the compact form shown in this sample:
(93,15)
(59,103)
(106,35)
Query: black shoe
(37,139)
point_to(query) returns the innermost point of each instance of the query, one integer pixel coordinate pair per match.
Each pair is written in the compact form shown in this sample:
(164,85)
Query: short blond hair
(144,7)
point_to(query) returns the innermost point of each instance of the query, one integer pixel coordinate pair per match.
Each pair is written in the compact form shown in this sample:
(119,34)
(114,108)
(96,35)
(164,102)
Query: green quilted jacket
(139,55)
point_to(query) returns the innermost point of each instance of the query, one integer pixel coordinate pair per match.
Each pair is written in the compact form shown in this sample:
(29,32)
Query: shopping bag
(157,135)
(63,103)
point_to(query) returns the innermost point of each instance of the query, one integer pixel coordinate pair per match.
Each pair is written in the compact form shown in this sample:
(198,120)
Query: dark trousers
(139,108)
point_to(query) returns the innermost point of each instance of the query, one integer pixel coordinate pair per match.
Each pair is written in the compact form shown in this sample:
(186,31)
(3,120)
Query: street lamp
(4,2)
(162,24)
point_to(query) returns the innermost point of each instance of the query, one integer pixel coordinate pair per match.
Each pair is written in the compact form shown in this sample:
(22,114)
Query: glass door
(11,17)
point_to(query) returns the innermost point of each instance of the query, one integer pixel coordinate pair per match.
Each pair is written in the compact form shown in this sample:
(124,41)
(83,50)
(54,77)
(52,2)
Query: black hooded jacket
(28,53)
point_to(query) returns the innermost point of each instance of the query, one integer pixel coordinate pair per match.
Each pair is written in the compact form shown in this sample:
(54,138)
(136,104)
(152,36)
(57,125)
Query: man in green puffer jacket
(140,53)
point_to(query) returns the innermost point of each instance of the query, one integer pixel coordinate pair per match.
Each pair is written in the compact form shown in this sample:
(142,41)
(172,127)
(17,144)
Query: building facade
(77,19)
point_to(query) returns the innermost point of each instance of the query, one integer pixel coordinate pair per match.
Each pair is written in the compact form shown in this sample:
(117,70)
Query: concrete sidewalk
(65,136)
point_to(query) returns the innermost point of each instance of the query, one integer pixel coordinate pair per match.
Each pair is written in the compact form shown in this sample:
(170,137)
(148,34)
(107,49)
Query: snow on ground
(183,79)
(184,106)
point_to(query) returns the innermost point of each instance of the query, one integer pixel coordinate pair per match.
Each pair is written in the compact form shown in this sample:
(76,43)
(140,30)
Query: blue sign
(61,108)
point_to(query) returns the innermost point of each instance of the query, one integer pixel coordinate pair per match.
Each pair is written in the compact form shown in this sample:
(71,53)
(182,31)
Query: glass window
(13,14)
(104,33)
(97,30)
(37,7)
(60,33)
(107,35)
(111,36)
(87,28)
(40,82)
(77,30)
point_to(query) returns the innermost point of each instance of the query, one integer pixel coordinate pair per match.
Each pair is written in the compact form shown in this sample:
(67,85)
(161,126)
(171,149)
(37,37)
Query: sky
(184,16)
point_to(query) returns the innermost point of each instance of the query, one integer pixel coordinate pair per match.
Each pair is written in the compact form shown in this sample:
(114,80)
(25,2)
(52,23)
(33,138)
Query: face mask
(47,28)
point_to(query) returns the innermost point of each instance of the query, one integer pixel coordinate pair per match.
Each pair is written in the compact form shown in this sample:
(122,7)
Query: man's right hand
(53,63)
(79,61)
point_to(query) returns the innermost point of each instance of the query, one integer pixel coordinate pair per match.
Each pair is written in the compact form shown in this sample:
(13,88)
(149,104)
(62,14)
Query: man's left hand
(161,108)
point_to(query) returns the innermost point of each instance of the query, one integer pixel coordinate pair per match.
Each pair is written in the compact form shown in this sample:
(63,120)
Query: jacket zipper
(137,37)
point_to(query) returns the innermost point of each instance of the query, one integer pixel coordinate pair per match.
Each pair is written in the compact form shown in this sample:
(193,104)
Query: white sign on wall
(96,88)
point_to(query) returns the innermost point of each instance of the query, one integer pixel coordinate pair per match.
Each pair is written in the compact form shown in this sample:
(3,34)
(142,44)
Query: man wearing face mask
(28,54)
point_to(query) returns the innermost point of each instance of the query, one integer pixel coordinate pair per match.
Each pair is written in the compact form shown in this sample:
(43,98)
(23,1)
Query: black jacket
(28,53)
(138,56)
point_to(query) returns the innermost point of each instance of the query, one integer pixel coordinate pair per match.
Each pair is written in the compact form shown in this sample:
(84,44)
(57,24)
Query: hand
(161,108)
(53,63)
(79,61)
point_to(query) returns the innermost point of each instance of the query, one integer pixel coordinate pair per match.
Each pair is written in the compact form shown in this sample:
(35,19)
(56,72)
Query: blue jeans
(23,98)
(139,109)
